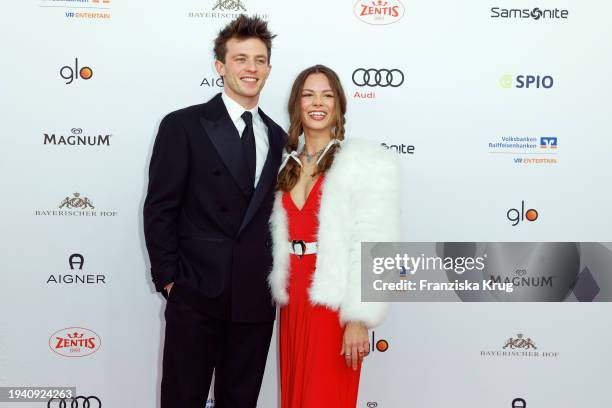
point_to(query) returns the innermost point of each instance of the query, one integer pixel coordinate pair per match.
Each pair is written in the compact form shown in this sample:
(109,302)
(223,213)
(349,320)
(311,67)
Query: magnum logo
(76,138)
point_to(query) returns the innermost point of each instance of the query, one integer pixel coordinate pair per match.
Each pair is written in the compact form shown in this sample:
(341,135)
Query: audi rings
(378,77)
(75,402)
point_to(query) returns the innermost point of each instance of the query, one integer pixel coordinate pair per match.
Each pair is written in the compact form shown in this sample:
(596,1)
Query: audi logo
(378,77)
(76,402)
(76,131)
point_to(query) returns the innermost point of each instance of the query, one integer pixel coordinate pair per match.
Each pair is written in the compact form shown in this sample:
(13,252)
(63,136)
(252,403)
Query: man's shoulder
(187,112)
(193,111)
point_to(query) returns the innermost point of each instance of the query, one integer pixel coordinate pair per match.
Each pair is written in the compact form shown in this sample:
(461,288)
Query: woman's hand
(355,343)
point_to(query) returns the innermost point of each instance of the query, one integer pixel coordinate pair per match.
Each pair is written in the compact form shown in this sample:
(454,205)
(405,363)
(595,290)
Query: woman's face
(318,103)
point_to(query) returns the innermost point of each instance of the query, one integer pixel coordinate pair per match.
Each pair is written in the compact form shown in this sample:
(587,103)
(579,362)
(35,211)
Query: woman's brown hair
(290,174)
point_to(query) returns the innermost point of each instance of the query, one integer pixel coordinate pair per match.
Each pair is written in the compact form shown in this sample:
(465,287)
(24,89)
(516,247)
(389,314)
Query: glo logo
(515,216)
(526,81)
(70,74)
(381,345)
(548,142)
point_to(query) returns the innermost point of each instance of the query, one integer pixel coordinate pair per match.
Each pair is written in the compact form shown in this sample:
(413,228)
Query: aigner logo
(212,82)
(519,403)
(74,342)
(76,261)
(71,74)
(515,216)
(75,402)
(379,12)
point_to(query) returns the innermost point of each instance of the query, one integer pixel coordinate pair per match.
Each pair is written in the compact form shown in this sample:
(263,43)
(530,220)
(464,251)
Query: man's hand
(168,288)
(355,344)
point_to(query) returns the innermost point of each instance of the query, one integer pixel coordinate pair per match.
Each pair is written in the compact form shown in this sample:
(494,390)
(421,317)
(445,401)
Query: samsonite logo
(74,342)
(379,12)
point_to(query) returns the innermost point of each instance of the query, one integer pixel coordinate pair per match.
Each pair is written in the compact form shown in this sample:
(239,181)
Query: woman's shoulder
(366,155)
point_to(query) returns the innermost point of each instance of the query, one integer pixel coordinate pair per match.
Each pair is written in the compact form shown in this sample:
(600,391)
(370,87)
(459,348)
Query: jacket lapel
(224,136)
(267,179)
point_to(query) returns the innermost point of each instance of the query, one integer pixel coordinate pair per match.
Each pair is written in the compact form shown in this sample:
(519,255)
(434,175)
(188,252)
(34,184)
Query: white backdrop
(460,97)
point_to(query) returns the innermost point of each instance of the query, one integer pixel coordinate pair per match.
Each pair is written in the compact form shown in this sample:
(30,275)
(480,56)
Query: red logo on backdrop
(379,12)
(74,342)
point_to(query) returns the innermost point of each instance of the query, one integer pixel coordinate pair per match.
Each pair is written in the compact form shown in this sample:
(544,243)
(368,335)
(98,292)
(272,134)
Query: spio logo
(71,74)
(548,142)
(74,342)
(381,345)
(379,12)
(75,402)
(526,81)
(519,403)
(76,260)
(515,215)
(373,77)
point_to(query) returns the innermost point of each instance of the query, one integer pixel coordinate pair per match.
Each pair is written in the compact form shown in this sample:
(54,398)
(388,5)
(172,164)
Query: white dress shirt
(262,144)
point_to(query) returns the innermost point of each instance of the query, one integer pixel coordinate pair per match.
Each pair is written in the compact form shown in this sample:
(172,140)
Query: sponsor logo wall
(498,115)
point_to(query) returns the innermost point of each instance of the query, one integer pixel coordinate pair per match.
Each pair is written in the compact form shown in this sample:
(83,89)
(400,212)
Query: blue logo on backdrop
(526,81)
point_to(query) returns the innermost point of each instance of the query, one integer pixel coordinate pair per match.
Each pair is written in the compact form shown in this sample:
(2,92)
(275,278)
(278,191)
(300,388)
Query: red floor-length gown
(313,373)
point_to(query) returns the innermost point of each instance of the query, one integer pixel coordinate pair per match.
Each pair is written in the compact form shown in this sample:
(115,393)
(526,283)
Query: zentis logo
(379,12)
(74,342)
(515,216)
(73,73)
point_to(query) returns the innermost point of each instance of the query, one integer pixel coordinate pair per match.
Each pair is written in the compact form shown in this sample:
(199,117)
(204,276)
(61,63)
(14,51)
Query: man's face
(246,67)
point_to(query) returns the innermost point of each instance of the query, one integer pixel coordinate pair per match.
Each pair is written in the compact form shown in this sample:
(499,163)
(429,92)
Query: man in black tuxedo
(211,186)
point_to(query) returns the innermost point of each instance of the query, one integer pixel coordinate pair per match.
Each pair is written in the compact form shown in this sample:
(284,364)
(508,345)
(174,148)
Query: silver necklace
(309,156)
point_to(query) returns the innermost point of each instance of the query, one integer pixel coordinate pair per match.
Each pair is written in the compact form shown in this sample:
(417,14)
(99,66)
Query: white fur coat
(359,202)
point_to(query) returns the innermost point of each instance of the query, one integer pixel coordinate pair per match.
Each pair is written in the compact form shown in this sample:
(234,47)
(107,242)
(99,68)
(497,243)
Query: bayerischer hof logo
(225,9)
(519,347)
(76,205)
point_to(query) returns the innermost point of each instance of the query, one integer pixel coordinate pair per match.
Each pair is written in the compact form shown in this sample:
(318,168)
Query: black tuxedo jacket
(203,229)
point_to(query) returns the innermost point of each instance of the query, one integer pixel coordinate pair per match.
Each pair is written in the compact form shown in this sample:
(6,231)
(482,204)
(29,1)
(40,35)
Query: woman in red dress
(329,201)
